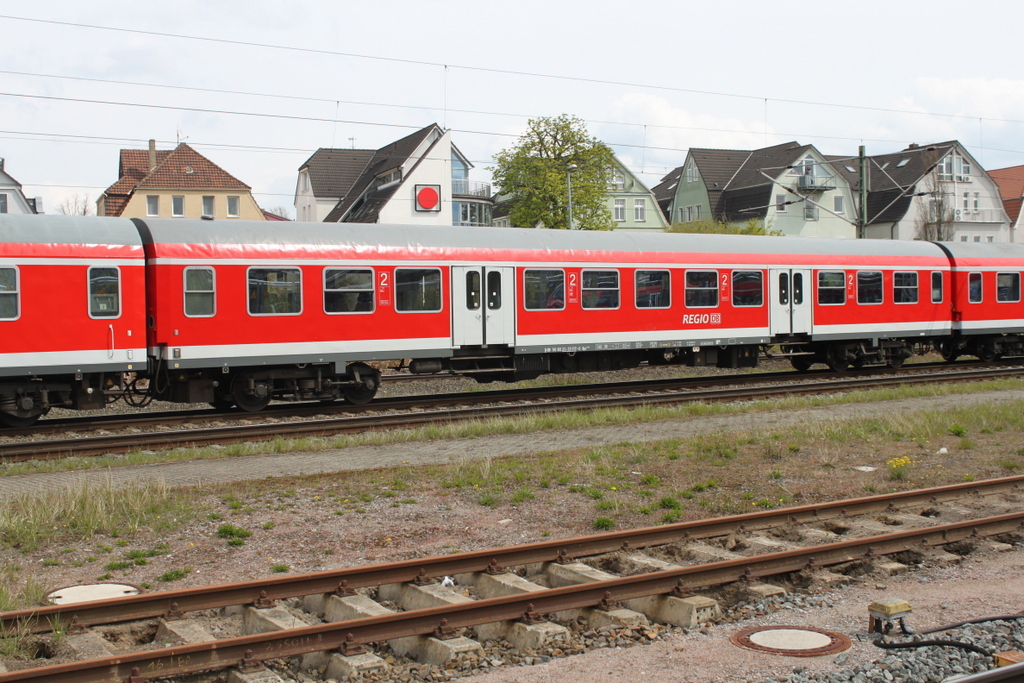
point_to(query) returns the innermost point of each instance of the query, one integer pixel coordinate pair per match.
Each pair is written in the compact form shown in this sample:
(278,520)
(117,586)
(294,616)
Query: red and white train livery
(238,313)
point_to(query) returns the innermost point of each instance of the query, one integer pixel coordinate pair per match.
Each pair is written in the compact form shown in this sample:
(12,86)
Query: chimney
(152,154)
(913,145)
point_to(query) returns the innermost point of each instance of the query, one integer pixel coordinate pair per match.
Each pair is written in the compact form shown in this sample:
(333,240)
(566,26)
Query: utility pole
(862,213)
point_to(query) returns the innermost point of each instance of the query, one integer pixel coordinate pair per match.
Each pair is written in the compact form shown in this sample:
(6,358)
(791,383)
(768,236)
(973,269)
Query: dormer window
(389,178)
(618,182)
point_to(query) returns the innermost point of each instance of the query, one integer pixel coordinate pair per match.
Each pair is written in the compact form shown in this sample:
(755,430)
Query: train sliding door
(791,300)
(483,306)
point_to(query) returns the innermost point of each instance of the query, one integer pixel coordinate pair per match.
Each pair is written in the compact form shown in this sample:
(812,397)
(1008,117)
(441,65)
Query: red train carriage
(72,312)
(986,309)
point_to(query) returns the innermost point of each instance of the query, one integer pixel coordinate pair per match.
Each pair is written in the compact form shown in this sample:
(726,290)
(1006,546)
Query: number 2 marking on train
(384,279)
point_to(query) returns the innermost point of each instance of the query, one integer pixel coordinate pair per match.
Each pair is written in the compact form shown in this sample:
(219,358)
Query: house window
(696,212)
(417,289)
(618,182)
(104,293)
(275,291)
(178,205)
(977,202)
(350,291)
(600,289)
(936,287)
(701,289)
(1008,287)
(977,238)
(389,178)
(990,238)
(8,293)
(544,290)
(967,200)
(963,238)
(837,204)
(780,203)
(232,207)
(200,293)
(974,291)
(869,287)
(810,212)
(152,205)
(620,210)
(3,203)
(653,289)
(305,182)
(831,287)
(640,210)
(691,173)
(208,206)
(904,288)
(747,289)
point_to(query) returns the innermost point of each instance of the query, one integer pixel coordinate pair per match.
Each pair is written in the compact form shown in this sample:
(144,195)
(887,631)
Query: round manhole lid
(91,591)
(792,641)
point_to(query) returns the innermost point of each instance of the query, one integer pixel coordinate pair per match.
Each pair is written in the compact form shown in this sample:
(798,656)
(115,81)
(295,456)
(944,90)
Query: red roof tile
(1011,189)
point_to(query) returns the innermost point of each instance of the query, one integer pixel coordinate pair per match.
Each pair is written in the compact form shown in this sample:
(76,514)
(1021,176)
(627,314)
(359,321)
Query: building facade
(12,198)
(178,183)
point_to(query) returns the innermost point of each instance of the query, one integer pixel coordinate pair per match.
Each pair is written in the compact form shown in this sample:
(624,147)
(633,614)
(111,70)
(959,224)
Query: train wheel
(17,422)
(947,349)
(896,362)
(366,388)
(250,401)
(987,354)
(837,358)
(801,363)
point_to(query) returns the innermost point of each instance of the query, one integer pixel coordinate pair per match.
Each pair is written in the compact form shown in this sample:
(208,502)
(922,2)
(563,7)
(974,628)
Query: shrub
(604,523)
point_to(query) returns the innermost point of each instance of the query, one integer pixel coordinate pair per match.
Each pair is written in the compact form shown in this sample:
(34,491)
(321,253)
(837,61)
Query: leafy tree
(532,174)
(754,226)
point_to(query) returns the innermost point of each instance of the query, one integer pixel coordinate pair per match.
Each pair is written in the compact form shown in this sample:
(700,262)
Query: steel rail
(114,421)
(148,605)
(116,443)
(251,649)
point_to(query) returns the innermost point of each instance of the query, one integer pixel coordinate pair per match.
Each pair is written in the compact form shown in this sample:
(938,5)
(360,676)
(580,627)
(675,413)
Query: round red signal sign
(427,198)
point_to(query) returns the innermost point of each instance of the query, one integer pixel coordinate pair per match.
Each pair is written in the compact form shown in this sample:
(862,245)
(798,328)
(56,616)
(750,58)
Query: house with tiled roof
(933,192)
(179,183)
(422,178)
(12,199)
(791,188)
(1011,192)
(632,205)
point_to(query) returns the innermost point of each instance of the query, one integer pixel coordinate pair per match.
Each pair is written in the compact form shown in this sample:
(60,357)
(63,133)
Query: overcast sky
(258,86)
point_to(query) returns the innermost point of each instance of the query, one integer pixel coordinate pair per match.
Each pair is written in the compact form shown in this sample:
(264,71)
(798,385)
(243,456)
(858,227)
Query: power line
(508,72)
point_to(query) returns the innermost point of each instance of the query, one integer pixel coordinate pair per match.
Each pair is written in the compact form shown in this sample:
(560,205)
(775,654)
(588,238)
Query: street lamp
(568,183)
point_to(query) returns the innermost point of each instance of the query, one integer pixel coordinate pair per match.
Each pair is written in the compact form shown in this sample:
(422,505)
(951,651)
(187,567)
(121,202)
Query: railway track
(548,579)
(466,406)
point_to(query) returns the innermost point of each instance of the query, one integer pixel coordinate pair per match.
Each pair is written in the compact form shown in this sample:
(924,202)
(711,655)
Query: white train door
(791,300)
(483,306)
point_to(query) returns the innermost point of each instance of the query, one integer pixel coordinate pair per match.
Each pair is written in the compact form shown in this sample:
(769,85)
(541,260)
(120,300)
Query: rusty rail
(148,605)
(248,650)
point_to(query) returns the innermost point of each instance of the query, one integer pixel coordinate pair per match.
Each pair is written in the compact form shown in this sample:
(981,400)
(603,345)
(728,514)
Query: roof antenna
(181,137)
(353,141)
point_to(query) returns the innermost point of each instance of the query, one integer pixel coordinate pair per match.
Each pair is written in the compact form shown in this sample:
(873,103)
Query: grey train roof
(170,230)
(56,229)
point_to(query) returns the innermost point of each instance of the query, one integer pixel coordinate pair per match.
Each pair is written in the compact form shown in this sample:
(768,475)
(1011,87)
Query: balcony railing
(471,188)
(978,216)
(816,183)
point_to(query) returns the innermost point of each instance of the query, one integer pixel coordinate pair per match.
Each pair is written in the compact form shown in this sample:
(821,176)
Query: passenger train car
(239,313)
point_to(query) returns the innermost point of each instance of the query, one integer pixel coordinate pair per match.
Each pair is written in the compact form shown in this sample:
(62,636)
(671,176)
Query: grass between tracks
(152,533)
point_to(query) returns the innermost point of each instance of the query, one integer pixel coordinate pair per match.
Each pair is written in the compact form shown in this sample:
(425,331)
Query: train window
(104,293)
(701,289)
(653,289)
(473,290)
(199,293)
(600,289)
(784,289)
(417,290)
(798,288)
(348,290)
(747,288)
(831,287)
(936,287)
(869,287)
(974,288)
(904,288)
(275,291)
(1008,287)
(493,290)
(544,290)
(8,293)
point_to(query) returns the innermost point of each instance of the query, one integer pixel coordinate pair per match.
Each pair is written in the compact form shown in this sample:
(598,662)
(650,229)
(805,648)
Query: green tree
(532,174)
(754,226)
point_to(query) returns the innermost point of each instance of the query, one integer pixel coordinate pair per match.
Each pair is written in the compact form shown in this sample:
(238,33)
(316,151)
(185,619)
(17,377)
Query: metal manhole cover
(792,641)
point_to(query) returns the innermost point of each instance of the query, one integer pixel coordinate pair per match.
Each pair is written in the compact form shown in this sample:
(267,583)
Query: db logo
(702,319)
